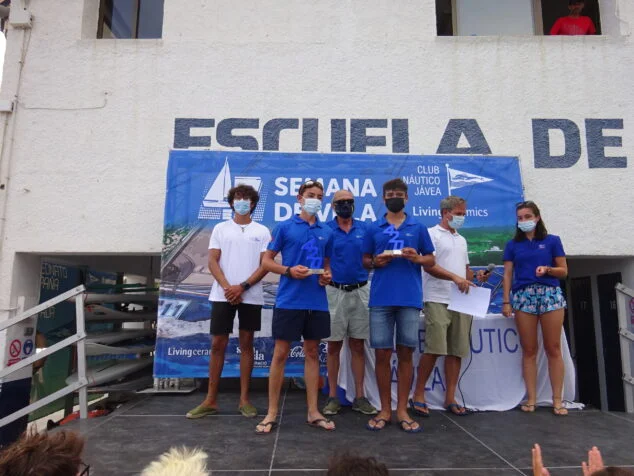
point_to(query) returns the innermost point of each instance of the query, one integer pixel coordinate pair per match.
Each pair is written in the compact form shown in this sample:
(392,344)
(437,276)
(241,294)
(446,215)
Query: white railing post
(81,356)
(625,308)
(79,337)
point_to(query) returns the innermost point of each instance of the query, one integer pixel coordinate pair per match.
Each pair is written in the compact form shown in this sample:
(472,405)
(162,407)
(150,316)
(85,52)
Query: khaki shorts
(349,315)
(446,332)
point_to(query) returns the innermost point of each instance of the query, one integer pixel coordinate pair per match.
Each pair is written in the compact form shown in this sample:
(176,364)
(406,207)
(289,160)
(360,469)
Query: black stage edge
(491,443)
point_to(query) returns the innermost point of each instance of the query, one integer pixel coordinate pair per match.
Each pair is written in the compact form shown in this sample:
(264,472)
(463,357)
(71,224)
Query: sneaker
(362,405)
(332,406)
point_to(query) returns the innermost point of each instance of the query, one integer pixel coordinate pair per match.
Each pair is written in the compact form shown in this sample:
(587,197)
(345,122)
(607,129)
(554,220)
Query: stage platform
(479,444)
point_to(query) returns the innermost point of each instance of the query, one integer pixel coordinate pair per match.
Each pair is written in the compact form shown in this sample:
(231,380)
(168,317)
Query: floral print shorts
(538,299)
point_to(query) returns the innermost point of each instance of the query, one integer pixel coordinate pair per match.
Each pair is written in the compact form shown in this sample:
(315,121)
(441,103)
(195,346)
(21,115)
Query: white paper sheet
(475,302)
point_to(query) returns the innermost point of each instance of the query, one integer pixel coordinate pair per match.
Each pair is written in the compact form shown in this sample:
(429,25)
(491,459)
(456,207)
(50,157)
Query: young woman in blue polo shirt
(534,262)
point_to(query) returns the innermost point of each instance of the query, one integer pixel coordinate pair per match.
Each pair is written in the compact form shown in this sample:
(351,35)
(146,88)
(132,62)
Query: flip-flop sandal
(402,424)
(201,411)
(454,406)
(414,407)
(530,408)
(248,411)
(318,424)
(272,424)
(376,422)
(556,411)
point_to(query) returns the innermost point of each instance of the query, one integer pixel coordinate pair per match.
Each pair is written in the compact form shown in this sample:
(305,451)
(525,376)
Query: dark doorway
(611,342)
(551,10)
(444,18)
(585,342)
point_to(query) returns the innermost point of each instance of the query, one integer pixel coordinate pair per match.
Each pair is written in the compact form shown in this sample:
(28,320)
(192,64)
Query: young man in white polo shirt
(447,333)
(236,248)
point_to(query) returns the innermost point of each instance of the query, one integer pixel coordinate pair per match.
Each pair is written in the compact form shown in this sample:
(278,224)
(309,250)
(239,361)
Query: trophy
(313,257)
(394,245)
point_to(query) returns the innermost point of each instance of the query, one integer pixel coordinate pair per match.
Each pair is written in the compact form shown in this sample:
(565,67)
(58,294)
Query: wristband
(288,272)
(245,285)
(506,302)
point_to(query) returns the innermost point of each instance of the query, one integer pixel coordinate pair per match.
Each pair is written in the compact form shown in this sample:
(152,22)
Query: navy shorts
(292,324)
(223,313)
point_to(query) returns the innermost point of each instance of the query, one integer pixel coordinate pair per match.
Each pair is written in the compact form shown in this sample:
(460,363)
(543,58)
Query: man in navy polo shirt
(301,307)
(348,296)
(398,247)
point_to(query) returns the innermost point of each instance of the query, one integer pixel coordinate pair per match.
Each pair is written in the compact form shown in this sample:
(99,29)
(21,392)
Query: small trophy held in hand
(313,257)
(394,245)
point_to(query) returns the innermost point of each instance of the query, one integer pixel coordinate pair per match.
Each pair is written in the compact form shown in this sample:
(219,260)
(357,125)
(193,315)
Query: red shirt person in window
(574,24)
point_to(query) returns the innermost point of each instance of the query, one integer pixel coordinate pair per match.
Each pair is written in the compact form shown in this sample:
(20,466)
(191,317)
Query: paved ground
(489,443)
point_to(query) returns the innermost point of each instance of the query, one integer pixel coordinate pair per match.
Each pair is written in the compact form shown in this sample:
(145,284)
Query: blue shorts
(292,324)
(382,321)
(538,299)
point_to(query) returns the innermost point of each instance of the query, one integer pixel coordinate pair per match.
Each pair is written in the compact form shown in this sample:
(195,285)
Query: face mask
(456,222)
(344,208)
(311,206)
(395,204)
(527,226)
(242,207)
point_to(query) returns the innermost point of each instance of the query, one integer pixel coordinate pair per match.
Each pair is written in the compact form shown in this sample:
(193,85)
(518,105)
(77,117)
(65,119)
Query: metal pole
(624,301)
(81,357)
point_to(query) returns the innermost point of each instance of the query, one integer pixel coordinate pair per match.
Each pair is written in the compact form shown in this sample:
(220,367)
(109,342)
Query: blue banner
(197,186)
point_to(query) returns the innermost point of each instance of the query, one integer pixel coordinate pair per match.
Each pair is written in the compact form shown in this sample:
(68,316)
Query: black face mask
(395,204)
(344,208)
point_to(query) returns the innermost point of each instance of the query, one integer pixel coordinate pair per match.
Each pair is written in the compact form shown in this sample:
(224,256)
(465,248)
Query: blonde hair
(179,461)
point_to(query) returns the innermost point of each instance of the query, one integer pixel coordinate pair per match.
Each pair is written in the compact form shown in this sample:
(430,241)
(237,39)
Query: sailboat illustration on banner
(217,195)
(215,205)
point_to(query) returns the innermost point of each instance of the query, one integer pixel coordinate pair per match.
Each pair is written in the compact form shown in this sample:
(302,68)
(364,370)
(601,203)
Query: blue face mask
(242,207)
(527,226)
(456,222)
(311,206)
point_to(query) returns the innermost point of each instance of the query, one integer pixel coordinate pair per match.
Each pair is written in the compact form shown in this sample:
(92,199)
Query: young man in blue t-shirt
(397,247)
(301,306)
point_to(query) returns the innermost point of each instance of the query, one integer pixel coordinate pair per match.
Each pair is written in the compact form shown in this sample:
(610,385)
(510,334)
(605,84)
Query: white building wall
(85,151)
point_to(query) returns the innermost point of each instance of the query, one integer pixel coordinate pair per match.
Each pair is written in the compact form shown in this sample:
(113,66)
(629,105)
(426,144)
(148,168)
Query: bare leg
(334,350)
(357,349)
(384,382)
(452,373)
(405,375)
(311,375)
(425,368)
(527,329)
(216,364)
(552,323)
(276,379)
(246,365)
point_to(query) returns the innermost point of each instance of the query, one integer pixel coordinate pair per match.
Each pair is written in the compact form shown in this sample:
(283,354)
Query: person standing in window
(574,23)
(534,262)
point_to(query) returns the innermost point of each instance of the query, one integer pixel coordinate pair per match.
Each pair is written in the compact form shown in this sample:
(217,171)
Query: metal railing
(625,307)
(78,338)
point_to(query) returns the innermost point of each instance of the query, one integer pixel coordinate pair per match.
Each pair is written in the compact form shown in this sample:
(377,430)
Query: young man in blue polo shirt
(301,306)
(397,247)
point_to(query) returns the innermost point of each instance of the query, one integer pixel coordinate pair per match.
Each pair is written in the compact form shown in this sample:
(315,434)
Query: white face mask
(311,206)
(456,222)
(527,226)
(242,207)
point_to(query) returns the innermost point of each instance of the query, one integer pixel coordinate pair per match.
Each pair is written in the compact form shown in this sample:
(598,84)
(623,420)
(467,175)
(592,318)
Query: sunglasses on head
(527,203)
(310,183)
